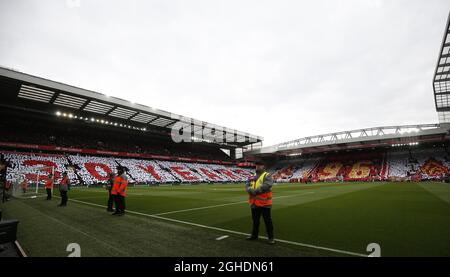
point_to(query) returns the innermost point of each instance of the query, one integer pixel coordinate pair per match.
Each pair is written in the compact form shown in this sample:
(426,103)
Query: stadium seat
(423,164)
(28,164)
(92,170)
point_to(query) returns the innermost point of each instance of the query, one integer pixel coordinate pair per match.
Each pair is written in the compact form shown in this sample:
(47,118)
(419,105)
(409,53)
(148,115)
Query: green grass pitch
(326,219)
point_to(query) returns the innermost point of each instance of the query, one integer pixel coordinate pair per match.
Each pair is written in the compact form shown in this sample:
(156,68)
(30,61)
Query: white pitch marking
(222,237)
(78,230)
(233,232)
(227,204)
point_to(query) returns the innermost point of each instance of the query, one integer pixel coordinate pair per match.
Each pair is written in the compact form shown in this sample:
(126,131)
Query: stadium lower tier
(90,170)
(415,165)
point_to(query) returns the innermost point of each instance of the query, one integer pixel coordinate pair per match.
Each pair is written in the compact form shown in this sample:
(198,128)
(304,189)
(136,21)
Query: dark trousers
(120,203)
(49,194)
(64,198)
(256,216)
(110,200)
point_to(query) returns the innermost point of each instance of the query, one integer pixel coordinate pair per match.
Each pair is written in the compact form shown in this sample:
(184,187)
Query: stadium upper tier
(390,136)
(33,94)
(37,134)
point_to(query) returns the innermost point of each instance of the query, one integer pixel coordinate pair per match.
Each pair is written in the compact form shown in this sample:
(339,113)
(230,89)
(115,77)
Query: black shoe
(115,213)
(271,241)
(252,238)
(109,210)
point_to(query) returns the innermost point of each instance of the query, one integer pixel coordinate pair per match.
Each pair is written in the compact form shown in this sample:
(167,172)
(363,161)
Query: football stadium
(378,191)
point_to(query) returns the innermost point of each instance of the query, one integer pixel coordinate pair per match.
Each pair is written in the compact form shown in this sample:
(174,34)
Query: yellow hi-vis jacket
(262,199)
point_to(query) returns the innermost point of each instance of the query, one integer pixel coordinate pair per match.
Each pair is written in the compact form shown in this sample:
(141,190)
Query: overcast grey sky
(278,69)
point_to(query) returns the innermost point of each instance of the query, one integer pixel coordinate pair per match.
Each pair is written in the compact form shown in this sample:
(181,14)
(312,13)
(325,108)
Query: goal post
(29,183)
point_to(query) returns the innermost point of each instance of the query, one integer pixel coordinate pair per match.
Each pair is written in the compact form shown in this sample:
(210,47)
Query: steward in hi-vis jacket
(259,189)
(119,191)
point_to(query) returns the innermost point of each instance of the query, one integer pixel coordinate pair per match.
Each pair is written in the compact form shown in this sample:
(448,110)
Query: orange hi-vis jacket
(261,199)
(48,184)
(119,186)
(24,184)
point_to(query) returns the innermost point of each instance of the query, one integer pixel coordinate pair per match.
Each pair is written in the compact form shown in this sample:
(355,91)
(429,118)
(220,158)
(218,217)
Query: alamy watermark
(374,249)
(74,249)
(189,130)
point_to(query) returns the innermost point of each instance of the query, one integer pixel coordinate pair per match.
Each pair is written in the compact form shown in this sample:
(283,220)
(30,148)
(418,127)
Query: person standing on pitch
(259,191)
(119,190)
(63,188)
(24,185)
(109,186)
(49,186)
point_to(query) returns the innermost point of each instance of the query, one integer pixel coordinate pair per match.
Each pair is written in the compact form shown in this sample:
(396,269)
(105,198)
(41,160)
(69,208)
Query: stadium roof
(391,136)
(441,79)
(24,90)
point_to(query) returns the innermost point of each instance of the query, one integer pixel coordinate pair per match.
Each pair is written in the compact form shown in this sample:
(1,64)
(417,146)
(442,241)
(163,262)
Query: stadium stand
(35,135)
(26,163)
(85,137)
(398,164)
(89,152)
(401,164)
(92,170)
(147,171)
(296,172)
(428,163)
